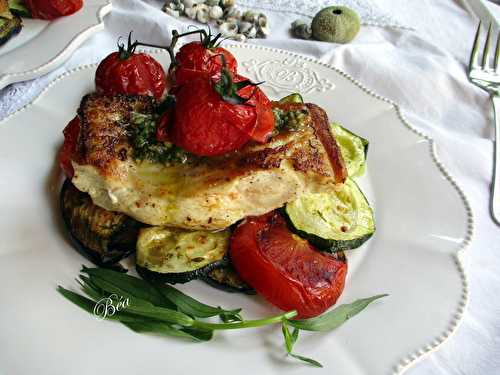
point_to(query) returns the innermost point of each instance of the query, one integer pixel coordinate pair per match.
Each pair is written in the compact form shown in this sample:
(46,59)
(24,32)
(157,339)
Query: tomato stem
(125,53)
(228,89)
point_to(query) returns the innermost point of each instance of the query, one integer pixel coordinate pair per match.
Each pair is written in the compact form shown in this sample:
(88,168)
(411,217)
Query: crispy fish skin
(211,193)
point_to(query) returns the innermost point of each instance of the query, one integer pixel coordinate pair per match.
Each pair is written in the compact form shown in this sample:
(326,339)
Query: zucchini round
(178,256)
(292,98)
(104,237)
(9,28)
(226,279)
(353,148)
(333,221)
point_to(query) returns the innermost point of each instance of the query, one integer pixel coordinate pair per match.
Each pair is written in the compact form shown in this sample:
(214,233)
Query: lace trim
(369,12)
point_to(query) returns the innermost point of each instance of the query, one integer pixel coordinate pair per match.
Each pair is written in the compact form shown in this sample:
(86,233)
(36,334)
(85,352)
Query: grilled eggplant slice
(333,221)
(102,236)
(178,256)
(227,279)
(9,28)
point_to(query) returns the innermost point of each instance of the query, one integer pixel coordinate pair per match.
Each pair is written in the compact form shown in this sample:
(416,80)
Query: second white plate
(42,46)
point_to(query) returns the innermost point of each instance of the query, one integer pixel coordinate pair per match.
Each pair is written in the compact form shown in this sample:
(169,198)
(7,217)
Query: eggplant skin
(226,279)
(104,237)
(9,28)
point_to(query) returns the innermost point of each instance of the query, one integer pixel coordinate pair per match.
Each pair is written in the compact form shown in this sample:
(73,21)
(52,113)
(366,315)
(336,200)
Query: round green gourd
(336,24)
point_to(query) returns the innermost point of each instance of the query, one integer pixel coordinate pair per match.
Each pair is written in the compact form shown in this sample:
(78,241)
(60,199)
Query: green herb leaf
(290,339)
(105,286)
(131,313)
(167,330)
(90,289)
(134,286)
(334,318)
(246,323)
(190,306)
(306,359)
(161,313)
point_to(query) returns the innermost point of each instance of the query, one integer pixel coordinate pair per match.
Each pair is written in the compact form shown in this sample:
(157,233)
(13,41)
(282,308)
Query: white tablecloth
(419,61)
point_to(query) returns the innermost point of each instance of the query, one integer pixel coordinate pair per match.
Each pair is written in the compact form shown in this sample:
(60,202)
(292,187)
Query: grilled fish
(208,193)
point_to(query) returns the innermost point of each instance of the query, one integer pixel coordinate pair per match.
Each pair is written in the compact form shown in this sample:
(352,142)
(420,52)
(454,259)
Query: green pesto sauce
(289,120)
(142,135)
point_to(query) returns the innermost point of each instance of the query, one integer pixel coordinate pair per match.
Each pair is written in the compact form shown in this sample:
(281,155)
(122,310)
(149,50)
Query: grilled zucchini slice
(178,256)
(333,221)
(353,148)
(19,8)
(292,98)
(4,10)
(227,279)
(9,28)
(102,236)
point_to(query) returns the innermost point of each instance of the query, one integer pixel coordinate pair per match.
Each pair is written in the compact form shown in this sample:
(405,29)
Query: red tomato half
(206,125)
(195,57)
(284,268)
(71,132)
(137,74)
(51,9)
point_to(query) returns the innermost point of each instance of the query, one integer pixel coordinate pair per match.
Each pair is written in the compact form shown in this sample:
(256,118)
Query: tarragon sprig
(164,310)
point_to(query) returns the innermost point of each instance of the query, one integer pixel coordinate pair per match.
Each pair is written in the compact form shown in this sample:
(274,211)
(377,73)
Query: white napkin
(149,23)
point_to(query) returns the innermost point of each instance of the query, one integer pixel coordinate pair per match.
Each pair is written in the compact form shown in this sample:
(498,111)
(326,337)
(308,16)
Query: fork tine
(473,61)
(497,53)
(486,51)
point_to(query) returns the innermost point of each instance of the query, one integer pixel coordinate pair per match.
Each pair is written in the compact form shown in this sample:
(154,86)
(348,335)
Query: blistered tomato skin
(162,126)
(195,57)
(52,9)
(265,121)
(71,133)
(138,74)
(205,125)
(284,268)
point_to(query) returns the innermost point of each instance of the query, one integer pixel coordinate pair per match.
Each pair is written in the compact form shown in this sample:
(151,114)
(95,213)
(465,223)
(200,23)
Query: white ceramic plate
(42,46)
(423,222)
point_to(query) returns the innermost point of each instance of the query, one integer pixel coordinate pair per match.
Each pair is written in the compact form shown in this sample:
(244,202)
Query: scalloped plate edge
(419,353)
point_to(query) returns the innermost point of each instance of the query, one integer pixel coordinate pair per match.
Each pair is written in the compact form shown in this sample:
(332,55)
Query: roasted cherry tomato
(265,121)
(284,268)
(51,9)
(128,72)
(200,57)
(71,132)
(207,125)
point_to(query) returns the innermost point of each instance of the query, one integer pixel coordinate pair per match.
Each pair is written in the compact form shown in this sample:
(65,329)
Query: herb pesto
(291,120)
(142,135)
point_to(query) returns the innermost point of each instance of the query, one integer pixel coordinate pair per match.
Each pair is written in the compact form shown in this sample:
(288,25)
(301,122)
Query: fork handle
(495,186)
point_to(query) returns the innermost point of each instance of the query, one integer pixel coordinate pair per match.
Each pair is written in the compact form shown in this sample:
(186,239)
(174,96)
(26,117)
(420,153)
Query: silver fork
(488,78)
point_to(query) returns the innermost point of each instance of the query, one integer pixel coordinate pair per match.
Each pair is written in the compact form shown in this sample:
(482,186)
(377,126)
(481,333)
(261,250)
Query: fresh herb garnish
(164,310)
(336,317)
(290,340)
(142,134)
